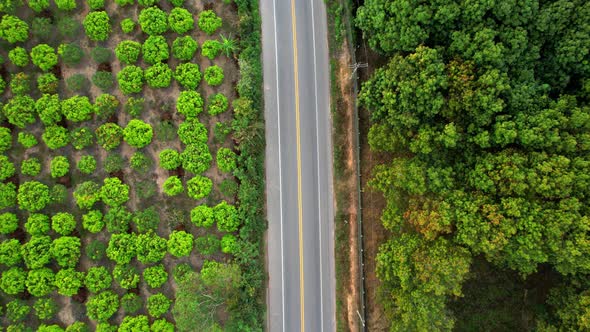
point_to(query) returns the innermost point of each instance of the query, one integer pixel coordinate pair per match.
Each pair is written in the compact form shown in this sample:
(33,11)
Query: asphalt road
(301,293)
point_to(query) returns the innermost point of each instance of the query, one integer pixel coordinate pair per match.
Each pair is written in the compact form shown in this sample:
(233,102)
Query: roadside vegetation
(131,166)
(484,110)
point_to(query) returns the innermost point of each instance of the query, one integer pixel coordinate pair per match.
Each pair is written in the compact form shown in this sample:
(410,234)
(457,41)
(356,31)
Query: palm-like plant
(229,45)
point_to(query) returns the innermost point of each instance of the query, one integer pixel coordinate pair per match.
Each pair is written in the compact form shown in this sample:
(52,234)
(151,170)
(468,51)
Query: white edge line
(274,8)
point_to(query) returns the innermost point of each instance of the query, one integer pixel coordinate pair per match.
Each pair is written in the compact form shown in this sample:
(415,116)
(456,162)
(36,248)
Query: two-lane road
(301,294)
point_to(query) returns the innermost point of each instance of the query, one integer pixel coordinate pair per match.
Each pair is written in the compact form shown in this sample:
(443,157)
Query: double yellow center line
(299,190)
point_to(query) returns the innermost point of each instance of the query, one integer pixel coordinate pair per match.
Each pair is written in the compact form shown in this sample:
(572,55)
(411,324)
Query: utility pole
(356,66)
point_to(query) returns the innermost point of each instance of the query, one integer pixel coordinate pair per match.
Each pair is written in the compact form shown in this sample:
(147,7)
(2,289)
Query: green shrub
(38,5)
(155,276)
(8,223)
(162,325)
(176,3)
(30,167)
(13,281)
(114,163)
(169,159)
(180,243)
(126,276)
(103,80)
(190,104)
(105,106)
(213,75)
(18,56)
(202,216)
(77,108)
(134,106)
(58,194)
(172,186)
(229,244)
(199,187)
(226,217)
(10,252)
(96,4)
(228,187)
(33,196)
(5,139)
(150,247)
(86,194)
(78,327)
(13,29)
(60,166)
(209,22)
(37,224)
(17,310)
(20,85)
(153,21)
(102,306)
(146,220)
(140,162)
(147,3)
(66,251)
(109,135)
(44,57)
(121,248)
(131,303)
(40,281)
(117,219)
(181,272)
(180,20)
(55,137)
(106,327)
(87,164)
(93,221)
(226,160)
(101,54)
(196,158)
(77,83)
(124,2)
(158,304)
(70,54)
(68,281)
(49,109)
(63,223)
(96,250)
(98,278)
(192,132)
(138,133)
(188,75)
(27,140)
(128,51)
(155,50)
(114,192)
(47,83)
(42,27)
(158,75)
(132,324)
(7,168)
(217,104)
(130,79)
(184,48)
(207,245)
(66,4)
(97,25)
(127,25)
(211,49)
(36,252)
(68,27)
(45,308)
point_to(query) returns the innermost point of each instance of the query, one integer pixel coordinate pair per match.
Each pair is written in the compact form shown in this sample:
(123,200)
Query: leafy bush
(176,3)
(221,130)
(150,247)
(6,169)
(127,25)
(101,54)
(211,49)
(77,83)
(13,29)
(87,164)
(124,2)
(184,48)
(138,133)
(172,186)
(40,281)
(158,75)
(77,108)
(209,22)
(66,4)
(38,5)
(98,278)
(49,109)
(130,79)
(63,223)
(180,243)
(96,4)
(47,83)
(132,324)
(128,51)
(13,281)
(226,217)
(42,27)
(134,106)
(17,310)
(106,327)
(10,252)
(213,75)
(68,27)
(97,25)
(140,162)
(30,167)
(126,276)
(114,163)
(155,50)
(86,194)
(207,245)
(109,135)
(181,272)
(199,187)
(196,158)
(153,21)
(70,54)
(158,304)
(180,20)
(169,159)
(117,219)
(229,244)
(37,224)
(27,140)
(36,252)
(190,104)
(114,192)
(32,196)
(8,223)
(102,306)
(217,104)
(191,131)
(44,57)
(103,80)
(162,325)
(121,248)
(60,166)
(147,3)
(93,221)
(18,56)
(19,111)
(55,137)
(58,194)
(188,75)
(20,84)
(131,303)
(155,276)
(96,250)
(68,281)
(226,160)
(105,106)
(202,216)
(78,327)
(45,308)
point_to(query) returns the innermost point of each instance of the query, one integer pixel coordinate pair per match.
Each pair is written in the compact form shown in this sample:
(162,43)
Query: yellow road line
(299,191)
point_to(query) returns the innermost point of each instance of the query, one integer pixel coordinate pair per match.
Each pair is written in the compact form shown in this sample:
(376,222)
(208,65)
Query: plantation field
(126,160)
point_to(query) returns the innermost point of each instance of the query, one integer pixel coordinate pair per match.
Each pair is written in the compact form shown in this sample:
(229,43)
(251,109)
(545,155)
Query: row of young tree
(485,107)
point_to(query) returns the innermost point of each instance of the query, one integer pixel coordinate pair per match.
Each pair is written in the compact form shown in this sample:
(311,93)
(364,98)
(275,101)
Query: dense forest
(484,107)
